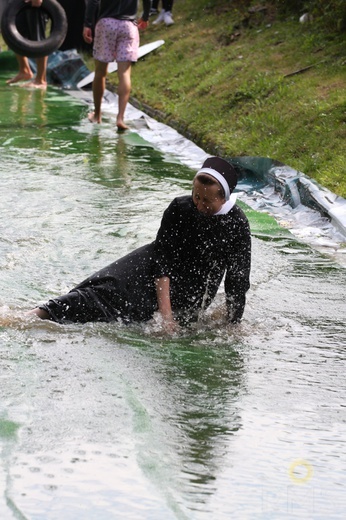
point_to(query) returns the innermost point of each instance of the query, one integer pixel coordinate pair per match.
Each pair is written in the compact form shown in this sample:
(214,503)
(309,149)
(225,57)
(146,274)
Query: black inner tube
(23,28)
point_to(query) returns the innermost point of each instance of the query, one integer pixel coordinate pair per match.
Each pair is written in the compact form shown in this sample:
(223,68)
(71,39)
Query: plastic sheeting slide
(294,187)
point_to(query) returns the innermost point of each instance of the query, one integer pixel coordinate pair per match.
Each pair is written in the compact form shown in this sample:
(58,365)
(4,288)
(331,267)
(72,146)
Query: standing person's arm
(164,303)
(143,22)
(166,246)
(237,281)
(89,19)
(88,34)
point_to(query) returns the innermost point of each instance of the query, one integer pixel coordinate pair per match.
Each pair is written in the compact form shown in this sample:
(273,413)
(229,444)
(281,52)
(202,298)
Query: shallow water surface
(104,421)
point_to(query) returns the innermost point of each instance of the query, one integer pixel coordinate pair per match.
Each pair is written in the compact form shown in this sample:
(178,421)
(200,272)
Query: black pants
(167,5)
(124,290)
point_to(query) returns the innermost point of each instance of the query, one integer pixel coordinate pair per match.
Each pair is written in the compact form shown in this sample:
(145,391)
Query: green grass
(223,78)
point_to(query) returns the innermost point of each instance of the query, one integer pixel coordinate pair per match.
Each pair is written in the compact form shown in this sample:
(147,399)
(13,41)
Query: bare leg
(13,320)
(40,313)
(40,80)
(124,89)
(41,77)
(24,73)
(99,85)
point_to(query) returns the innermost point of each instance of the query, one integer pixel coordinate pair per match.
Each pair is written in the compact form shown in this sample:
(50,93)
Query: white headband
(218,177)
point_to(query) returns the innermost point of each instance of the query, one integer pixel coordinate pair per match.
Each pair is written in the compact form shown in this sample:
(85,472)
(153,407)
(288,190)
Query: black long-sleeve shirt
(119,9)
(195,251)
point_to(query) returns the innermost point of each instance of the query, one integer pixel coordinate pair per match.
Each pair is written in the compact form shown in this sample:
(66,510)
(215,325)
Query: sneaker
(160,18)
(168,18)
(153,11)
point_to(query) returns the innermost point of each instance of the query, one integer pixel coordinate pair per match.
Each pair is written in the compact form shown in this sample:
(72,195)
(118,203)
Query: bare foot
(10,318)
(121,126)
(93,118)
(17,319)
(33,84)
(21,76)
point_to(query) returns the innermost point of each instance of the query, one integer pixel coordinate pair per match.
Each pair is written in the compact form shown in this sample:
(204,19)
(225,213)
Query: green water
(103,421)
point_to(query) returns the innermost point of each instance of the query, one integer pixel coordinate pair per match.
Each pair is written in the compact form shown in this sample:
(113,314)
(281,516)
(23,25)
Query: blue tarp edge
(295,187)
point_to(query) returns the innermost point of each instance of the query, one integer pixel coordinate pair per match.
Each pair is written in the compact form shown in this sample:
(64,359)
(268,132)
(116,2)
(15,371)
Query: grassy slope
(220,77)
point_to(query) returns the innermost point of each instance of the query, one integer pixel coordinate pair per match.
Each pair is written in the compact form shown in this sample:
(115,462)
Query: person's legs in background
(124,89)
(165,13)
(127,45)
(41,75)
(40,80)
(31,24)
(154,7)
(168,6)
(99,85)
(114,40)
(24,73)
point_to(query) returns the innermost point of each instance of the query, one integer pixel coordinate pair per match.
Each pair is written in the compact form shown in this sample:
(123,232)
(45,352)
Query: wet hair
(207,180)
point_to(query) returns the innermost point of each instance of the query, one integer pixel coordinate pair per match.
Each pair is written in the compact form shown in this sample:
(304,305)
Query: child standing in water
(116,38)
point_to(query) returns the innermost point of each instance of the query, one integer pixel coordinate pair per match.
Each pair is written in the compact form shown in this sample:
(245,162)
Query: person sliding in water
(116,38)
(202,237)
